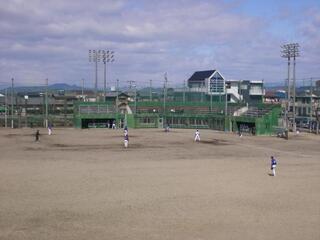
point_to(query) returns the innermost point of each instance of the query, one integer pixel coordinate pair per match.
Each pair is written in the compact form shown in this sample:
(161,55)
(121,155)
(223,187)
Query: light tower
(289,51)
(107,57)
(94,56)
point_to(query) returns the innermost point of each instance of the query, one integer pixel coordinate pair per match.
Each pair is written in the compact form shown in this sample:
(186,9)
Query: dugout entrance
(246,127)
(97,123)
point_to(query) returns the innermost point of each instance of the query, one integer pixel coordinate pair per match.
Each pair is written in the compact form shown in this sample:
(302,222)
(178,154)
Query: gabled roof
(201,75)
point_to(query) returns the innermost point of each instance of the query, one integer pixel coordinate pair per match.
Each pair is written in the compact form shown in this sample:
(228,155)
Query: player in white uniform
(197,136)
(49,129)
(126,141)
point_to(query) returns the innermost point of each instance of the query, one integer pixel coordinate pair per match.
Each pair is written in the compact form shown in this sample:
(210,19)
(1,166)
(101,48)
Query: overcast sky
(50,39)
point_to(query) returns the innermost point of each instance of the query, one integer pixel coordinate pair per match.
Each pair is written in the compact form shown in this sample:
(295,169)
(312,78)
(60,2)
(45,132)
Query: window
(216,83)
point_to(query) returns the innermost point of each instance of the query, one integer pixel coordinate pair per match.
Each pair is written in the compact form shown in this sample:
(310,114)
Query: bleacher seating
(256,112)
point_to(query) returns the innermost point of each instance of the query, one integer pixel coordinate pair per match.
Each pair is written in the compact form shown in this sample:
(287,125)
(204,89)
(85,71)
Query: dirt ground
(82,184)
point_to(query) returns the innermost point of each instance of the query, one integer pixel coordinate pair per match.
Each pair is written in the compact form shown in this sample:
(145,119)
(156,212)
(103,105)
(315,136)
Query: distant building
(252,91)
(274,96)
(318,84)
(210,82)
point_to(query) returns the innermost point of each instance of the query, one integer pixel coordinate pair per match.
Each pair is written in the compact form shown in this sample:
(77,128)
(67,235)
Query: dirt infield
(83,184)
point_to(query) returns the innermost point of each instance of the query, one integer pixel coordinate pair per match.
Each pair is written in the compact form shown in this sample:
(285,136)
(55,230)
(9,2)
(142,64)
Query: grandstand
(259,119)
(258,111)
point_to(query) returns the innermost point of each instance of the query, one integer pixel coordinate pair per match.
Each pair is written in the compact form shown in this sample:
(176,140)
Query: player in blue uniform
(273,165)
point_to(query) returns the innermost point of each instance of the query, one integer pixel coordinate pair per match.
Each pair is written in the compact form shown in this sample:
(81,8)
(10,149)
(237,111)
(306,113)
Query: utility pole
(165,93)
(150,92)
(6,110)
(104,75)
(117,101)
(97,58)
(210,92)
(46,120)
(219,89)
(310,126)
(117,85)
(12,99)
(135,99)
(25,109)
(82,90)
(226,107)
(184,91)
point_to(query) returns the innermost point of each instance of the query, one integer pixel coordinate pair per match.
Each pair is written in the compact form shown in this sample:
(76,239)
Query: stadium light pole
(286,54)
(107,57)
(94,56)
(289,51)
(295,53)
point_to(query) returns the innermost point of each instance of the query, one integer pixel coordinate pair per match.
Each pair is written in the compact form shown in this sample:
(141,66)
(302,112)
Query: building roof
(200,75)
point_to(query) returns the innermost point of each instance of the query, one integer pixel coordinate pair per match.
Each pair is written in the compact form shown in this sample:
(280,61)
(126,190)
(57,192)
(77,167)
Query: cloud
(51,39)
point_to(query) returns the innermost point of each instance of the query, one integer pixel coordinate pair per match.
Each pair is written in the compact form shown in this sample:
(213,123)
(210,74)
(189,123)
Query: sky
(240,38)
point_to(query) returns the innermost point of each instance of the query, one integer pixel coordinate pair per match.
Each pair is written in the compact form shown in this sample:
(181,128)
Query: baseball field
(83,184)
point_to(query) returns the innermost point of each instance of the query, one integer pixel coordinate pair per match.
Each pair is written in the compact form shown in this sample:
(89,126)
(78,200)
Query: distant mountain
(56,86)
(63,86)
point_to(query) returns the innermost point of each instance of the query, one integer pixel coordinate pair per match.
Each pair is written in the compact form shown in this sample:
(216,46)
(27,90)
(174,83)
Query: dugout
(97,123)
(97,115)
(262,125)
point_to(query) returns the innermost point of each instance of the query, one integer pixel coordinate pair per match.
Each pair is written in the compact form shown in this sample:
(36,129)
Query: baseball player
(197,136)
(37,135)
(273,166)
(126,140)
(49,129)
(125,130)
